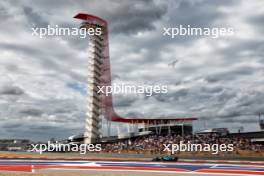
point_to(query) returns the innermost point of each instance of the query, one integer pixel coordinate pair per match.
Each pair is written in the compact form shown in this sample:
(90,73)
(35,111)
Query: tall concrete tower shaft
(98,75)
(94,117)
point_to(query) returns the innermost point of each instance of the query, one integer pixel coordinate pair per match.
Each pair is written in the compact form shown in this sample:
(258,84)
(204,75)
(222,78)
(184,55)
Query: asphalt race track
(181,167)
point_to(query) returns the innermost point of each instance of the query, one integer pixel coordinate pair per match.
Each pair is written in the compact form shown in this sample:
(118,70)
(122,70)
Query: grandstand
(153,144)
(254,137)
(14,144)
(171,127)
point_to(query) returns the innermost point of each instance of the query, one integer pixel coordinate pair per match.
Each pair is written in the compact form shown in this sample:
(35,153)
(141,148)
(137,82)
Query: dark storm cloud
(241,120)
(226,95)
(11,67)
(172,95)
(12,125)
(198,13)
(134,115)
(37,121)
(61,110)
(31,112)
(41,127)
(203,14)
(258,22)
(253,45)
(124,100)
(115,76)
(231,74)
(134,16)
(34,18)
(125,17)
(4,14)
(47,60)
(216,89)
(243,104)
(11,90)
(42,131)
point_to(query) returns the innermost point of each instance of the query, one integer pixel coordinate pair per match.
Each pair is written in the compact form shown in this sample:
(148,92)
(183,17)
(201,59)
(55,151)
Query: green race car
(167,158)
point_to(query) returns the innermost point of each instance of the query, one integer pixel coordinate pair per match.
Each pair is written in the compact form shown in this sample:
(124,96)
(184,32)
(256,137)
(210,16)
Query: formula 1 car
(167,158)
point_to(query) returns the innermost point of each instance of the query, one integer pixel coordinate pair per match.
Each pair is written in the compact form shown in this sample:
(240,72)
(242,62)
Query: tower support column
(93,116)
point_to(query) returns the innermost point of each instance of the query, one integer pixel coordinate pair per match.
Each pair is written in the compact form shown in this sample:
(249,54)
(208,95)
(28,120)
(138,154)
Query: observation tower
(99,74)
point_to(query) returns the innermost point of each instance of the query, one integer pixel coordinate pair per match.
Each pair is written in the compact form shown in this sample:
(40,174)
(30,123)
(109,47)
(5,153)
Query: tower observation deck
(99,105)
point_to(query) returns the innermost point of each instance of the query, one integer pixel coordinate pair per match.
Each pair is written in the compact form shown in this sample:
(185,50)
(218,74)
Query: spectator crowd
(153,144)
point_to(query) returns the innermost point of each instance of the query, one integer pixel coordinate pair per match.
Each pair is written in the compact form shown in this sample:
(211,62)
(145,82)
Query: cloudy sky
(42,81)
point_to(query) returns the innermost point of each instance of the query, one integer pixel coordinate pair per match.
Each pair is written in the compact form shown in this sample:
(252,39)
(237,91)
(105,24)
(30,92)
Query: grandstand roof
(153,121)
